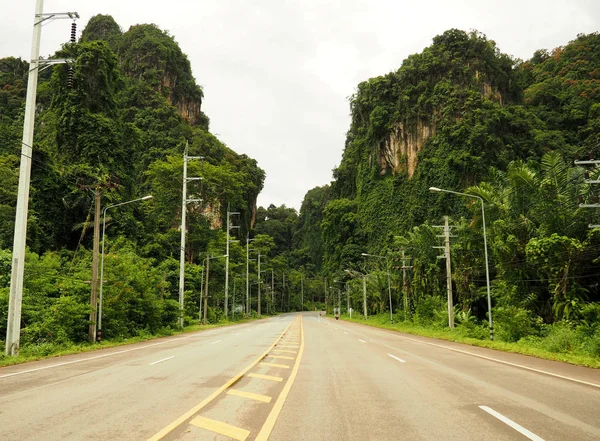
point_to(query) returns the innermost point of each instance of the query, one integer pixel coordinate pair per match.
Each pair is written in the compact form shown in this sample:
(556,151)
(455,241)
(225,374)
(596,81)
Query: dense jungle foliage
(463,116)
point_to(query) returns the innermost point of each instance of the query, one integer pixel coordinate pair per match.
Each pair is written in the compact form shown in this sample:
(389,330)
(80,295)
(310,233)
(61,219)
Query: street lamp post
(248,240)
(487,266)
(387,263)
(145,198)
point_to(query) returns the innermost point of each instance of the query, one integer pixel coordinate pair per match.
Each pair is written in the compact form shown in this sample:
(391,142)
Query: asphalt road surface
(297,377)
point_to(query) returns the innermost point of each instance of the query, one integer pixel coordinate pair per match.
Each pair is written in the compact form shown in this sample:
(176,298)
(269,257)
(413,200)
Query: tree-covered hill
(116,120)
(463,116)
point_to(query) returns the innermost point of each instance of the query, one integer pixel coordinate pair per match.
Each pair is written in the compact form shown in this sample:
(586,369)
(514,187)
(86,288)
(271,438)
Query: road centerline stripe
(522,430)
(283,357)
(282,366)
(267,427)
(160,361)
(190,413)
(362,341)
(396,358)
(249,395)
(265,377)
(221,428)
(215,342)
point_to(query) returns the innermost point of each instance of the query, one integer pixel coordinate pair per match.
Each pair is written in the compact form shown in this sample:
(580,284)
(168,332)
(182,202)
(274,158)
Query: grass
(50,350)
(524,346)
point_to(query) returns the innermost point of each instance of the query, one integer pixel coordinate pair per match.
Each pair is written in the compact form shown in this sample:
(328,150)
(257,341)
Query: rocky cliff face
(398,150)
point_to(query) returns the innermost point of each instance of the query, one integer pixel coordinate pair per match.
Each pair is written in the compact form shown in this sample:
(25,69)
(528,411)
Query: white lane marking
(345,333)
(215,342)
(522,430)
(396,358)
(160,361)
(539,371)
(28,371)
(362,341)
(238,333)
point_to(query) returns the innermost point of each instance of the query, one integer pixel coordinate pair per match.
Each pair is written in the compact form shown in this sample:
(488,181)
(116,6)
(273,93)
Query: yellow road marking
(169,428)
(267,428)
(288,346)
(249,395)
(283,357)
(221,428)
(283,366)
(284,350)
(265,377)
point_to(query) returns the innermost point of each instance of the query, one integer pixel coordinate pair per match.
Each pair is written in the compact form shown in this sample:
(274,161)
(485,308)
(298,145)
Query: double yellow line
(265,431)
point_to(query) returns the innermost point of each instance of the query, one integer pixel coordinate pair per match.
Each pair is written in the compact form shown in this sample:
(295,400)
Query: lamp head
(145,198)
(432,189)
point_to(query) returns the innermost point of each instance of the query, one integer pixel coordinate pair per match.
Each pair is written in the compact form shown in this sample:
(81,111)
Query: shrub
(561,338)
(512,323)
(430,310)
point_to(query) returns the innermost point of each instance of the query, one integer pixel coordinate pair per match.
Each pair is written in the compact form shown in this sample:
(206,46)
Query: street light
(145,198)
(487,266)
(387,263)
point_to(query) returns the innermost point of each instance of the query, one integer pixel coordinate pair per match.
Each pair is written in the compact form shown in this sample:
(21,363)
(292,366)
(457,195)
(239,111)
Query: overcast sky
(277,73)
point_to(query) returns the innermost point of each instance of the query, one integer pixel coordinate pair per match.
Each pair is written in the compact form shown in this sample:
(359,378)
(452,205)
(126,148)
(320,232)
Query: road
(299,378)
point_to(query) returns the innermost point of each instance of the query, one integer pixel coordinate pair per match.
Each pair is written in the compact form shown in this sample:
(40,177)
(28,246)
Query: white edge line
(539,371)
(160,361)
(522,430)
(345,333)
(396,358)
(362,341)
(88,358)
(238,333)
(215,342)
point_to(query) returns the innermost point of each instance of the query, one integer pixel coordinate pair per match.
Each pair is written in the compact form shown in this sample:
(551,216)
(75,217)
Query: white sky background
(277,73)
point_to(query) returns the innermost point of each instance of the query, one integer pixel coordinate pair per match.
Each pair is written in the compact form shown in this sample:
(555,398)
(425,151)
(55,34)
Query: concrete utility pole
(201,292)
(273,289)
(405,282)
(206,286)
(229,227)
(347,298)
(302,291)
(446,256)
(283,293)
(95,254)
(365,295)
(258,282)
(248,240)
(184,202)
(448,273)
(13,325)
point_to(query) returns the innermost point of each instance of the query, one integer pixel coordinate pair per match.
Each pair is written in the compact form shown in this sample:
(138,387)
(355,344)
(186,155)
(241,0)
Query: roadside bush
(560,338)
(431,311)
(511,323)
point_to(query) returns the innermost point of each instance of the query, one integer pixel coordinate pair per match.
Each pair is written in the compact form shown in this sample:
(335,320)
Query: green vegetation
(462,116)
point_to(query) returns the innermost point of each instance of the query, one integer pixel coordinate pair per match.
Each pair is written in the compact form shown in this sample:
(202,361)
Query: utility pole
(229,227)
(405,282)
(273,289)
(206,286)
(201,292)
(302,291)
(258,283)
(347,298)
(283,293)
(184,202)
(446,256)
(95,255)
(13,326)
(365,295)
(248,240)
(233,300)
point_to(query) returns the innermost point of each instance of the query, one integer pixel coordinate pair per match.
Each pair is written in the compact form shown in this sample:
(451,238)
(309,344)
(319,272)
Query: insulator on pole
(586,174)
(70,77)
(73,32)
(595,199)
(580,199)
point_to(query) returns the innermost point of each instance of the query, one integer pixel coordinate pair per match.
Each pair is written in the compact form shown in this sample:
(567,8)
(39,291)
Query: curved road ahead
(299,377)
